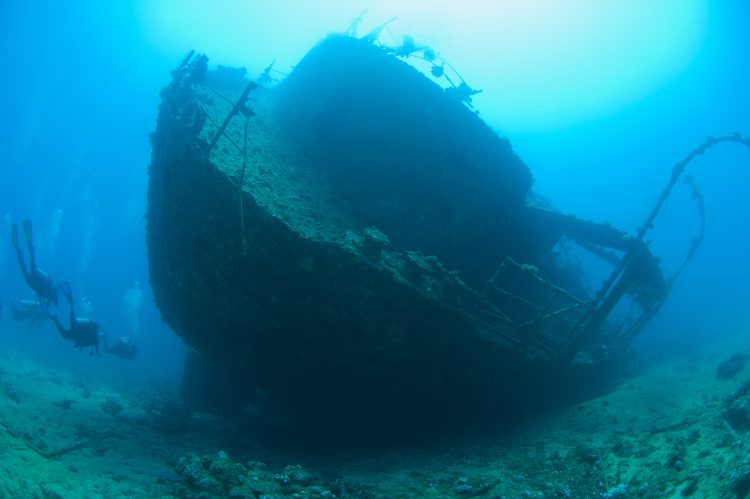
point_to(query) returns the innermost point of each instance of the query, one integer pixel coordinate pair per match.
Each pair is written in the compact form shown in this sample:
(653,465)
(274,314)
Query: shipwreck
(359,245)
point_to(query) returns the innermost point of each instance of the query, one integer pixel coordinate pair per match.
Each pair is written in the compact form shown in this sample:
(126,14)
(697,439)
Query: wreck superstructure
(365,249)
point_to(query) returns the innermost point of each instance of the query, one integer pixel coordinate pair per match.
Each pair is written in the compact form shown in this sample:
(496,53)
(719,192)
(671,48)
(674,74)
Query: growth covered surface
(311,309)
(330,244)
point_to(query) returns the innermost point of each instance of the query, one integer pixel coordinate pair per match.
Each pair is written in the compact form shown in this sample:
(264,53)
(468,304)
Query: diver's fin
(27,232)
(14,236)
(65,290)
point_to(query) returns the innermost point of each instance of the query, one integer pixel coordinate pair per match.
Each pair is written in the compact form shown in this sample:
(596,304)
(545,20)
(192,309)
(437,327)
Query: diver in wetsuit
(37,279)
(83,332)
(28,310)
(124,347)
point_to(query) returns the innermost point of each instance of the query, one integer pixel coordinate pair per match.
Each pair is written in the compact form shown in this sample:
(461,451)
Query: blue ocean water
(82,89)
(80,95)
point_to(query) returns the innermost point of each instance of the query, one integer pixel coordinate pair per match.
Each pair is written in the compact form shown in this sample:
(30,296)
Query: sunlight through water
(541,64)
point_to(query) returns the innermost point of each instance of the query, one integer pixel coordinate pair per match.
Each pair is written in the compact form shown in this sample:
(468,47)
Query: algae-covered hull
(350,245)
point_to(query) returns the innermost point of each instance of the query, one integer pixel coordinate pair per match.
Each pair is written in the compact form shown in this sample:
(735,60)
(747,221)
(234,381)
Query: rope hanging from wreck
(239,187)
(239,107)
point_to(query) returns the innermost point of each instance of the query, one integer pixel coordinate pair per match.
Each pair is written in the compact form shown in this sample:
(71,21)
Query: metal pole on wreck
(239,107)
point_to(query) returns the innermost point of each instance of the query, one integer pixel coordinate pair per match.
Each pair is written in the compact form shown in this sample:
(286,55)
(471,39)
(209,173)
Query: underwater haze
(599,99)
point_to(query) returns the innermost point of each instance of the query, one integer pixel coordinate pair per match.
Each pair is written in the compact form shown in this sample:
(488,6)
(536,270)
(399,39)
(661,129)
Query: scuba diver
(28,310)
(124,347)
(37,279)
(83,332)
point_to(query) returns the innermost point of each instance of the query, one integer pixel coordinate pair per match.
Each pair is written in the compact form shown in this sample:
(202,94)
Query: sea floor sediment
(662,432)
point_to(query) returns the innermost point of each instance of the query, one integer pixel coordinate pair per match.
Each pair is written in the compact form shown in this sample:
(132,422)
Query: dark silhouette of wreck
(367,252)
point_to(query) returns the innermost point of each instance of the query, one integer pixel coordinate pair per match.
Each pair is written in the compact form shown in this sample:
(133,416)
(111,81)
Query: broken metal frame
(621,277)
(626,275)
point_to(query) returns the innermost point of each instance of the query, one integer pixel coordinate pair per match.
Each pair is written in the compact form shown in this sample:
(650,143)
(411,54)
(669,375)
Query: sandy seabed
(660,433)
